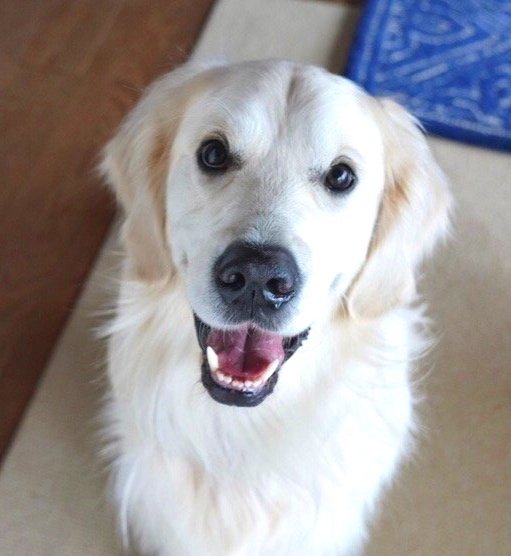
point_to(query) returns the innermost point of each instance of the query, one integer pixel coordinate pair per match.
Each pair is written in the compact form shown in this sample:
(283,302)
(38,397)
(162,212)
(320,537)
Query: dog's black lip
(228,396)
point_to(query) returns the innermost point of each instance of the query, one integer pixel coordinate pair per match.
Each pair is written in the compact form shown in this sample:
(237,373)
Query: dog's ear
(136,165)
(413,214)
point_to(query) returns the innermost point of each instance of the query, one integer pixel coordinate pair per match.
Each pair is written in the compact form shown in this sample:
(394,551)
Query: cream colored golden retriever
(260,358)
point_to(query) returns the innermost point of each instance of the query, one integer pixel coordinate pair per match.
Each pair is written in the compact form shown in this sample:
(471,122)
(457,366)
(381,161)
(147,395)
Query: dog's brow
(316,173)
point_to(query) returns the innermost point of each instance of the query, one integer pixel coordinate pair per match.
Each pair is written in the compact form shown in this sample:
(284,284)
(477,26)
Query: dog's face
(267,183)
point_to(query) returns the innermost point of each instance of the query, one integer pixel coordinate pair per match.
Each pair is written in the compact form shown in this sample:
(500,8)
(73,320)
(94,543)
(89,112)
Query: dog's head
(280,193)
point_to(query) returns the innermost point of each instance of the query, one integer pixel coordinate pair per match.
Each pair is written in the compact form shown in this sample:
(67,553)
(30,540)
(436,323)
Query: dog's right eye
(340,178)
(213,156)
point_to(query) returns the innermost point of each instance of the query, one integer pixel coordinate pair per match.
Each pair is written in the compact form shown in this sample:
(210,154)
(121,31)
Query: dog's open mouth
(240,366)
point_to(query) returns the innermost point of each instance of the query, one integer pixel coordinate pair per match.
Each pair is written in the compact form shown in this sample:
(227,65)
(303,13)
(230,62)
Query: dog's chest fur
(297,475)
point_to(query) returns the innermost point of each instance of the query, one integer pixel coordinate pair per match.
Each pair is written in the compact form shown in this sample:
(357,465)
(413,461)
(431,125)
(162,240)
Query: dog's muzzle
(257,284)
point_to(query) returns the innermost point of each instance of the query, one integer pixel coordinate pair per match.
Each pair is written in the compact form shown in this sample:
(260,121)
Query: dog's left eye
(213,156)
(340,178)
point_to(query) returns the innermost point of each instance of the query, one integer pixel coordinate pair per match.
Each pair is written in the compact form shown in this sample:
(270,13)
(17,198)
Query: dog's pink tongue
(245,352)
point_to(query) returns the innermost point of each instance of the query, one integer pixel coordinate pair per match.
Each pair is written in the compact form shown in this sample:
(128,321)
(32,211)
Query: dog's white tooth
(212,358)
(272,367)
(249,384)
(237,384)
(222,378)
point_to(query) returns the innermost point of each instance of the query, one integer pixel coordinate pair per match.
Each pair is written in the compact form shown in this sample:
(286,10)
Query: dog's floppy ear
(413,215)
(136,164)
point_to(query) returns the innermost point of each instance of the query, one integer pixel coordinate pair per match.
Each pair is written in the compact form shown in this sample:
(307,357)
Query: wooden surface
(69,70)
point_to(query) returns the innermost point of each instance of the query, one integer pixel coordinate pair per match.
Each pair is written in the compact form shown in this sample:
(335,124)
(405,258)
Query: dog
(260,359)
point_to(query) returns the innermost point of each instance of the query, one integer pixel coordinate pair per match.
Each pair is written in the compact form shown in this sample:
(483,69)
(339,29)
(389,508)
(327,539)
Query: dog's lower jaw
(228,396)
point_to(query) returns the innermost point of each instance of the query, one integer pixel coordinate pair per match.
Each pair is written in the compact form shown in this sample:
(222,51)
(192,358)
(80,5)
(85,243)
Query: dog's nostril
(233,280)
(280,287)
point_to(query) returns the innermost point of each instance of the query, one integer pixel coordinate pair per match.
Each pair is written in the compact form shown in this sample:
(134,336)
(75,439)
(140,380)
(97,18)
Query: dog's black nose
(256,276)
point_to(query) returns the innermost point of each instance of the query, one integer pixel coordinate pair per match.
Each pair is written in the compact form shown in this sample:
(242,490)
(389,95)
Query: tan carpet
(455,498)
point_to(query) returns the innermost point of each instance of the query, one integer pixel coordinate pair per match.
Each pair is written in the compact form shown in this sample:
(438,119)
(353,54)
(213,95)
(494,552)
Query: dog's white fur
(300,473)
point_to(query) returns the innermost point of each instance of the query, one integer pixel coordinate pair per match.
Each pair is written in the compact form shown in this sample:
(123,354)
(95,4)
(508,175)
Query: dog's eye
(213,155)
(340,178)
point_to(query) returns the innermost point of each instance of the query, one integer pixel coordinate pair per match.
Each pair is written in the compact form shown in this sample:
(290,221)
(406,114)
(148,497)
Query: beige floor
(454,499)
